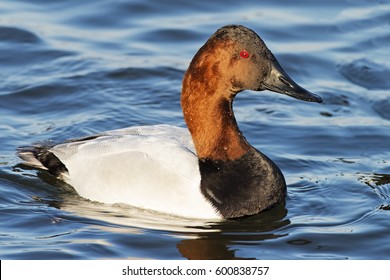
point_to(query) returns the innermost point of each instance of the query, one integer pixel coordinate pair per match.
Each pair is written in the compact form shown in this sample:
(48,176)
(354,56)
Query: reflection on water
(379,183)
(375,179)
(200,239)
(218,243)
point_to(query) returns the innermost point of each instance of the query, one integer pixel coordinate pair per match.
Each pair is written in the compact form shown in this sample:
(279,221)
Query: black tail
(41,157)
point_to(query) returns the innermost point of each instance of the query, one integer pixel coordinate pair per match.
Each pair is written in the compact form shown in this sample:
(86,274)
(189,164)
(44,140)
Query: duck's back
(153,167)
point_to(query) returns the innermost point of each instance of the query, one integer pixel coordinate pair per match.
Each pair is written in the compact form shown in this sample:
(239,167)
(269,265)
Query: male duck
(208,172)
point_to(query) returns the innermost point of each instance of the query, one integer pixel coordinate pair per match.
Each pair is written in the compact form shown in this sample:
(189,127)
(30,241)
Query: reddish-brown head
(233,59)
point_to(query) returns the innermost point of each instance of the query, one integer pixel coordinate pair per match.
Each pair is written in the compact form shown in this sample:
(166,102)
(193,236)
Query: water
(72,68)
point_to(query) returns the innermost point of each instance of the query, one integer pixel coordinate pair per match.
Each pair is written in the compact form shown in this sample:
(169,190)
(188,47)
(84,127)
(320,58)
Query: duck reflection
(218,244)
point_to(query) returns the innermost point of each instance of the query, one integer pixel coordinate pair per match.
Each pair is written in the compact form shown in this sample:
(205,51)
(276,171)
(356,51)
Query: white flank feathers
(151,167)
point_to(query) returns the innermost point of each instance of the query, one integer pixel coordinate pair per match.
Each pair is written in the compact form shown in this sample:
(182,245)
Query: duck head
(232,60)
(236,58)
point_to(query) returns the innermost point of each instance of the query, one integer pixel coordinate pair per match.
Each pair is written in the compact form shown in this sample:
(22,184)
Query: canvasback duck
(209,171)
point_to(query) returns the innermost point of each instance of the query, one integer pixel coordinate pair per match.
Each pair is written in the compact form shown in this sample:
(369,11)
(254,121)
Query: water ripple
(367,74)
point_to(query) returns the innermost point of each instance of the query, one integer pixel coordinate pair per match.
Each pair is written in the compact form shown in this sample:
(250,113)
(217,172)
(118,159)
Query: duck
(205,171)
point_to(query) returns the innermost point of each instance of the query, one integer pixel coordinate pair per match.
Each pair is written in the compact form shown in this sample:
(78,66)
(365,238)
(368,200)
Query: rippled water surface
(71,68)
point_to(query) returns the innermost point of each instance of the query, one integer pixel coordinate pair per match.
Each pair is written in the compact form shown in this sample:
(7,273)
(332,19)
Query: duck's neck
(210,120)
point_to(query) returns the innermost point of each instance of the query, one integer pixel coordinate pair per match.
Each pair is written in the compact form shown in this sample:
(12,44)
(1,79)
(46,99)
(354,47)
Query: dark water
(71,68)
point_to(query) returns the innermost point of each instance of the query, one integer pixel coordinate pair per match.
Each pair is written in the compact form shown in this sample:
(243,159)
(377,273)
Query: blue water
(72,68)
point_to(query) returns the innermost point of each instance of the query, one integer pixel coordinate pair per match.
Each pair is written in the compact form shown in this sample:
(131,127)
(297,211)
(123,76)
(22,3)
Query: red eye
(244,54)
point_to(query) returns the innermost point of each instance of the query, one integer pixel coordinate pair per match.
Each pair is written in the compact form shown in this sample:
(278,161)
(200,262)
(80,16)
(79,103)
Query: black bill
(279,81)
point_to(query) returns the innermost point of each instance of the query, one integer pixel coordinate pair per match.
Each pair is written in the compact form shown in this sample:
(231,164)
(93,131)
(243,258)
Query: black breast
(242,187)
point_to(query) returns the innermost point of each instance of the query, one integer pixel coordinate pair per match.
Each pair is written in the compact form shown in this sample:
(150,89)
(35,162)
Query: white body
(150,167)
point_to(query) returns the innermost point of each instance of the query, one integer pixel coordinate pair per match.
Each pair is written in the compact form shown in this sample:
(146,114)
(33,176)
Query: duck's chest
(242,187)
